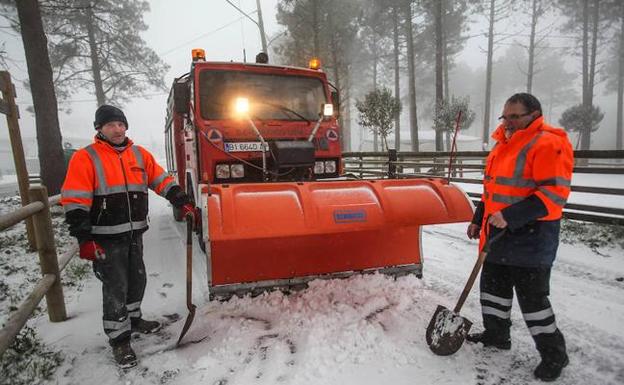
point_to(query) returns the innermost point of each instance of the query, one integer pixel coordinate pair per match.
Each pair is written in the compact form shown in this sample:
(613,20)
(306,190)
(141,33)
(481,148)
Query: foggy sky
(176,27)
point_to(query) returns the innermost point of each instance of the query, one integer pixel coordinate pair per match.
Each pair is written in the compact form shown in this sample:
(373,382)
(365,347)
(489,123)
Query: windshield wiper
(284,108)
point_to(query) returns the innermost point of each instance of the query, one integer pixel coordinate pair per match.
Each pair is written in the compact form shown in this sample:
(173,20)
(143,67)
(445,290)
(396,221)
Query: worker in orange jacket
(526,184)
(105,198)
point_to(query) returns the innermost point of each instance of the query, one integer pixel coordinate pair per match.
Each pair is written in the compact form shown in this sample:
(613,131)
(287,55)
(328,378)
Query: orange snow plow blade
(284,234)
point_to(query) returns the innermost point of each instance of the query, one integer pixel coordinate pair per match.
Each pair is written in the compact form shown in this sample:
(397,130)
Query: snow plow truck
(258,147)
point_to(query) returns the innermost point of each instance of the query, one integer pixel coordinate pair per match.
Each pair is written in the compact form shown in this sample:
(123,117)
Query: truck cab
(233,122)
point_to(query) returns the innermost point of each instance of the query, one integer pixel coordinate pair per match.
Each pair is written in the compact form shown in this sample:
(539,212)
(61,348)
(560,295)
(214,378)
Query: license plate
(243,146)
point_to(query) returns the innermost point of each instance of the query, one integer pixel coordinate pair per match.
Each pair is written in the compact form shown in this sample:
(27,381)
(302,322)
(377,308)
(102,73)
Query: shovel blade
(447,331)
(187,324)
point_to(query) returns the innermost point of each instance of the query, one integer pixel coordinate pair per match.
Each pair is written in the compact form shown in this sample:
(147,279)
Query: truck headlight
(223,171)
(319,167)
(330,166)
(237,170)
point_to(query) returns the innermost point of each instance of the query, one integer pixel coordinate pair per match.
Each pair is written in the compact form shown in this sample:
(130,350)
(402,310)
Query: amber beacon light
(198,54)
(315,63)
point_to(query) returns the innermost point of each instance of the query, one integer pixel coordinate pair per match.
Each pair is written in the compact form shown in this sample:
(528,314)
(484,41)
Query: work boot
(549,369)
(139,325)
(489,339)
(123,354)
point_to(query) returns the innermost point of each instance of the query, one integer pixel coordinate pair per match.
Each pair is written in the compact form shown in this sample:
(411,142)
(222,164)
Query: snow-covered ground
(361,330)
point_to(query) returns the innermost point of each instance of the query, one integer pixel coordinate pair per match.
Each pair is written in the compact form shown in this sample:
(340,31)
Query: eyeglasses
(513,116)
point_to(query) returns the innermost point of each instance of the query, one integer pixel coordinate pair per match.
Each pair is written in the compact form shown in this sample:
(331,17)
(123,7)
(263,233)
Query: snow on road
(361,330)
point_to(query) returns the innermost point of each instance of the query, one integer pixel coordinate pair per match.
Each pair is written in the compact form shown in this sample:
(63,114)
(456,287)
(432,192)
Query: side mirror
(181,97)
(335,99)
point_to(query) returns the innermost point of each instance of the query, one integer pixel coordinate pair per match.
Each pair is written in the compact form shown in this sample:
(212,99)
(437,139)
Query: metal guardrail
(50,284)
(468,166)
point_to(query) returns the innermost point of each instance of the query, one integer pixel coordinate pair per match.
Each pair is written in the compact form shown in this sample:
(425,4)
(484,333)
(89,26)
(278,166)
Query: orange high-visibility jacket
(111,186)
(535,161)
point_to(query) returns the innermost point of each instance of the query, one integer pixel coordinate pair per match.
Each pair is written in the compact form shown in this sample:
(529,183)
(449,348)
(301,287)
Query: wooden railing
(468,166)
(50,284)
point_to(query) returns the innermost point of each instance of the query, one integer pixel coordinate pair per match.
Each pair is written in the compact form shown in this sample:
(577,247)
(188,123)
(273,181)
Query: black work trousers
(532,285)
(123,284)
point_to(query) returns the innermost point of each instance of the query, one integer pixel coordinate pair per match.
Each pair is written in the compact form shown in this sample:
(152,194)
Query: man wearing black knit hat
(105,200)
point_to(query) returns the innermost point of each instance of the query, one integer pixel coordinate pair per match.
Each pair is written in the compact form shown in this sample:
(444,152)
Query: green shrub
(28,360)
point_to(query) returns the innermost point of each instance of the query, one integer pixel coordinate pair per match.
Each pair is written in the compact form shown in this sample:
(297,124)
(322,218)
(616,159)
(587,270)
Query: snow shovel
(447,329)
(189,278)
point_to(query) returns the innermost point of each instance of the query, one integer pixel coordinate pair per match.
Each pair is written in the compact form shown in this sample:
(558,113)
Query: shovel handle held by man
(476,269)
(189,276)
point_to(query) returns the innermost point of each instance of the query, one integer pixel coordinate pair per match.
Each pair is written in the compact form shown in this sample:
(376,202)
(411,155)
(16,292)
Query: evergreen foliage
(377,111)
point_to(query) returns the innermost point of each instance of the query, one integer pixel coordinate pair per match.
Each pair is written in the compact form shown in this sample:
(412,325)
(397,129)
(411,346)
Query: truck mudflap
(274,234)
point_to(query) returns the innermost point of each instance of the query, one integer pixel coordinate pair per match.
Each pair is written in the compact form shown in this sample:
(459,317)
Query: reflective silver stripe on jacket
(168,187)
(103,187)
(122,189)
(556,199)
(77,194)
(75,206)
(517,180)
(139,158)
(158,180)
(99,170)
(117,229)
(507,199)
(556,181)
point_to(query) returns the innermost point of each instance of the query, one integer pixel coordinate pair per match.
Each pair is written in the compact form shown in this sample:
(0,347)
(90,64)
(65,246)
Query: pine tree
(96,45)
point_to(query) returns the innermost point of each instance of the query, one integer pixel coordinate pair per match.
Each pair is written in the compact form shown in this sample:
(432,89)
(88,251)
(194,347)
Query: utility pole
(259,23)
(261,26)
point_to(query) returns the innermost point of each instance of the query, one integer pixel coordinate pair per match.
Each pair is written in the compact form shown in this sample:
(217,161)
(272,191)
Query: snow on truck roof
(260,65)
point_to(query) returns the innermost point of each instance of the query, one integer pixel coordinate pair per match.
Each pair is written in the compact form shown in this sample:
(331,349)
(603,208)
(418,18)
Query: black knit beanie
(105,114)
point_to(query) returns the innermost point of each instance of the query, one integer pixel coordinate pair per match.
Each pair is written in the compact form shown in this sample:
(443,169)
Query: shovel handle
(189,262)
(189,278)
(476,269)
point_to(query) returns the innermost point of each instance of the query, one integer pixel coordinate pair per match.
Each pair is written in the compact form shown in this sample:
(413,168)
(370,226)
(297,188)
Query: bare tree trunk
(375,131)
(588,95)
(532,48)
(619,145)
(95,60)
(438,73)
(586,92)
(51,159)
(397,89)
(346,124)
(592,60)
(488,77)
(315,27)
(411,72)
(445,54)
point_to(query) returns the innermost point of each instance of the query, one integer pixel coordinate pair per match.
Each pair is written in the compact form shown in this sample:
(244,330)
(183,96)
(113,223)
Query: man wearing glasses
(526,184)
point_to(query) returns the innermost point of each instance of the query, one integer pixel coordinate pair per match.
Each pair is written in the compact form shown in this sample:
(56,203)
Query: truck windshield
(271,97)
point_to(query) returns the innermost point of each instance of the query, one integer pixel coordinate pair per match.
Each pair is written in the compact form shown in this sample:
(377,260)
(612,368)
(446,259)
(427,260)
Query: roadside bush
(28,360)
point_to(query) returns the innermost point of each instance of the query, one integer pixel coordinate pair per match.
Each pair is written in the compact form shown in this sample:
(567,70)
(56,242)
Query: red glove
(91,251)
(190,209)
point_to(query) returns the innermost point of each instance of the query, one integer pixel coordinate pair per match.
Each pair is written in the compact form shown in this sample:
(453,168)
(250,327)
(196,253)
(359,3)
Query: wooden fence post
(47,254)
(392,159)
(9,108)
